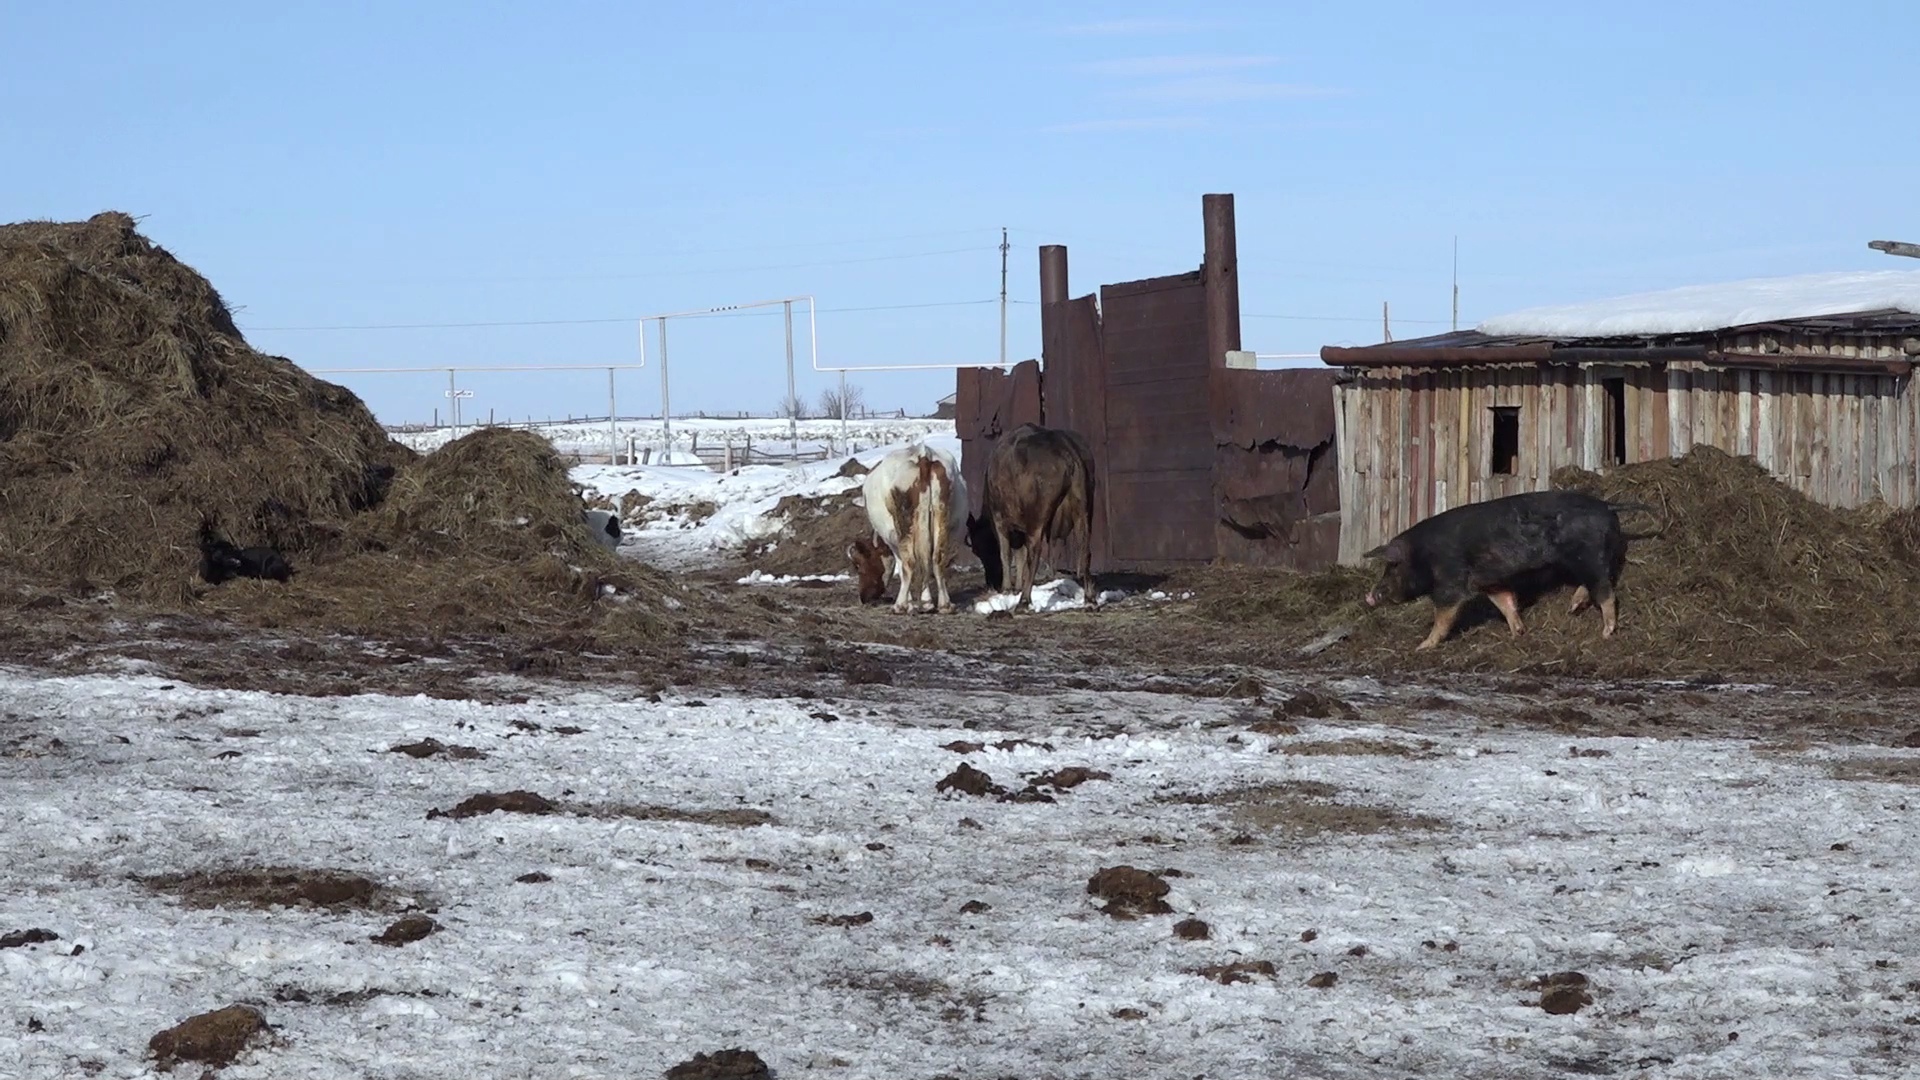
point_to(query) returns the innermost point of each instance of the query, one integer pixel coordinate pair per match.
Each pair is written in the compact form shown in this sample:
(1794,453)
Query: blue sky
(581,164)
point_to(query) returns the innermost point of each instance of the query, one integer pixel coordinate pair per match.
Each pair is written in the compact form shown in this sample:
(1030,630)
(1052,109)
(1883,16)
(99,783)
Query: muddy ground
(817,641)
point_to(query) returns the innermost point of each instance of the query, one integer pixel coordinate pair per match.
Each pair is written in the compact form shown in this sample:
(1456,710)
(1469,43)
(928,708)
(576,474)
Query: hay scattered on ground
(131,408)
(1746,576)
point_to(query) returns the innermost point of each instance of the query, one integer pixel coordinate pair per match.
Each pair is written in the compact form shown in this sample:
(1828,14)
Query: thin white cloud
(1167,66)
(1138,27)
(1132,123)
(1216,89)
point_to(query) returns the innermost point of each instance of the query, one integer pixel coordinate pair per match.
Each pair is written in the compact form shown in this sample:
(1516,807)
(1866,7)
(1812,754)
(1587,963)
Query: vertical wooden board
(1589,419)
(1764,444)
(1865,448)
(1678,441)
(1750,411)
(1463,444)
(1907,475)
(1645,415)
(1743,434)
(1403,429)
(1660,439)
(1430,435)
(1872,458)
(1800,426)
(1731,400)
(1890,451)
(1706,404)
(1823,425)
(1446,437)
(1844,457)
(1343,462)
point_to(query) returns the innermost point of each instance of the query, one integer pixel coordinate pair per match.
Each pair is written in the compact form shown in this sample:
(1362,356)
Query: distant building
(945,407)
(1808,375)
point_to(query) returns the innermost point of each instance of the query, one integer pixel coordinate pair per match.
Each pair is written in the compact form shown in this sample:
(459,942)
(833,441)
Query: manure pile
(1746,576)
(131,407)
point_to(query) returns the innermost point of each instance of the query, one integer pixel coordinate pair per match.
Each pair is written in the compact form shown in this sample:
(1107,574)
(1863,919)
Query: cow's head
(869,559)
(986,547)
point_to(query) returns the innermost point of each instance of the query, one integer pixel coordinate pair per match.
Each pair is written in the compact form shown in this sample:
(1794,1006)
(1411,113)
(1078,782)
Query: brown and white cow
(1039,489)
(916,504)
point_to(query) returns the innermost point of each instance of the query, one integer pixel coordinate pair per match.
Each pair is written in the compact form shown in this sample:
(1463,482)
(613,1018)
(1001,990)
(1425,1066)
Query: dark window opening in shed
(1616,427)
(1506,439)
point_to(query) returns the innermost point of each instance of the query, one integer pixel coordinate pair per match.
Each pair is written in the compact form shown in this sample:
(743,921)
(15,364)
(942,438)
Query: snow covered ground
(767,433)
(698,517)
(1739,911)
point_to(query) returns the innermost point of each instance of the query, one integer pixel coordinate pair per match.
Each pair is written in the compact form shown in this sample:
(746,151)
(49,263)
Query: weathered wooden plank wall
(1412,442)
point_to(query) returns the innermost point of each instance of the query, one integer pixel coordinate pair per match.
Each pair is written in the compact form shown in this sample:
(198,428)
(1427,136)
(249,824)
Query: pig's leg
(1443,618)
(1510,607)
(1580,601)
(1608,613)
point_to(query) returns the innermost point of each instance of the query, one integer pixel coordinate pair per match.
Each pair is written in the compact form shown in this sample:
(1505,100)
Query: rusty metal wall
(1159,439)
(1276,483)
(1073,395)
(988,401)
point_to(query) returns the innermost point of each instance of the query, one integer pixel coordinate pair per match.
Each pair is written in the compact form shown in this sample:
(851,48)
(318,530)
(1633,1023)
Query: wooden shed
(1810,376)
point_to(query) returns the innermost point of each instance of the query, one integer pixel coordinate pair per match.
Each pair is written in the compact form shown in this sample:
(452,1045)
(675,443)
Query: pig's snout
(1373,598)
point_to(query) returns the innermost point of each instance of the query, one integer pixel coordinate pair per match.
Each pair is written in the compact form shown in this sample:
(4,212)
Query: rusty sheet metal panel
(1073,395)
(988,401)
(1159,426)
(1276,483)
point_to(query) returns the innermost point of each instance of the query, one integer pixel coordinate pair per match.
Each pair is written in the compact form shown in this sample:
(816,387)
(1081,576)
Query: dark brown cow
(1039,489)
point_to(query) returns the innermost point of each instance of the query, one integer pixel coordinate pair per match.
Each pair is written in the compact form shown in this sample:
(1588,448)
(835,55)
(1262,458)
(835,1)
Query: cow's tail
(930,531)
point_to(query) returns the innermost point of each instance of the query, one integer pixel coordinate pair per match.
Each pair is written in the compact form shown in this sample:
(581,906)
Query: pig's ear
(1392,551)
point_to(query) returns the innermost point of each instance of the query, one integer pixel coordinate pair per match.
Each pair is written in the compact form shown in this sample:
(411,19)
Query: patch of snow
(1060,594)
(587,437)
(1699,308)
(741,502)
(759,577)
(1698,907)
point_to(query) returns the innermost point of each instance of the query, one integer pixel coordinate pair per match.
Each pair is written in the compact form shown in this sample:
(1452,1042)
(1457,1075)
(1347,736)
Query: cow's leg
(1008,571)
(1030,566)
(903,600)
(942,602)
(1086,560)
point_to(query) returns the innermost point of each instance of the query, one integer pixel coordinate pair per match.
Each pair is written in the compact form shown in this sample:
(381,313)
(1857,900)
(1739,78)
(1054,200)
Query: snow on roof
(1698,308)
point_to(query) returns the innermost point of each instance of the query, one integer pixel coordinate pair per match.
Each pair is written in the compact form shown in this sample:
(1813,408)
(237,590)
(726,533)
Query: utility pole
(1456,283)
(793,402)
(1896,247)
(1003,296)
(1386,323)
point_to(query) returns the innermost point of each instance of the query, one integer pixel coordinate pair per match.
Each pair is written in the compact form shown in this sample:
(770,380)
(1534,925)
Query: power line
(1300,318)
(619,319)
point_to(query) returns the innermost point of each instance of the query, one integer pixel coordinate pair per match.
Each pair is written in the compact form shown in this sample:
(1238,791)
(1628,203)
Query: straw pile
(131,408)
(1746,576)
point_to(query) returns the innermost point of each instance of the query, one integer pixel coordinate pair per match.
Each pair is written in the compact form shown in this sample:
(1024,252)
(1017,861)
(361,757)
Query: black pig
(1538,540)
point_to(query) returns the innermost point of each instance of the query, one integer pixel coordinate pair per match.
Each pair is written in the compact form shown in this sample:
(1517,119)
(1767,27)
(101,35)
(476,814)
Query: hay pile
(1746,577)
(131,407)
(815,536)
